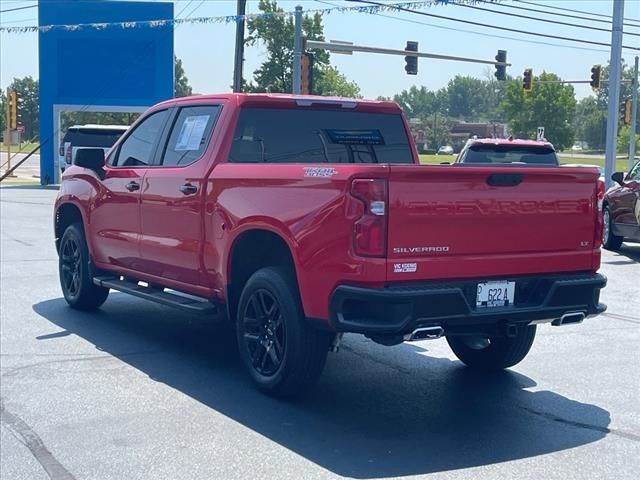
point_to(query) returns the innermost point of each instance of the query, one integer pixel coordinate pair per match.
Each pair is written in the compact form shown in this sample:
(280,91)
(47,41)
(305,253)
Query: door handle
(132,186)
(188,189)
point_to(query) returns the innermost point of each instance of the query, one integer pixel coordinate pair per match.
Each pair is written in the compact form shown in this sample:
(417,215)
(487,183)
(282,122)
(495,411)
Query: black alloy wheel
(75,273)
(70,266)
(264,332)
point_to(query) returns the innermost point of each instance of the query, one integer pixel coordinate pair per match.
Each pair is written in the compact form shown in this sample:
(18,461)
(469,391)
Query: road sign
(540,134)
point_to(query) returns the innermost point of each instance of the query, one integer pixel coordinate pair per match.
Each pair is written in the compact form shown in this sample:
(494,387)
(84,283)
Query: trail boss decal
(319,171)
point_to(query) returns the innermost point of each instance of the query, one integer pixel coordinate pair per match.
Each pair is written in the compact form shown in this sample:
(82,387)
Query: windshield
(510,154)
(268,135)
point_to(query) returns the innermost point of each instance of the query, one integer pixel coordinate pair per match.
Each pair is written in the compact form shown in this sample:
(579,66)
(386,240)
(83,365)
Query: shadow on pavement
(376,412)
(631,251)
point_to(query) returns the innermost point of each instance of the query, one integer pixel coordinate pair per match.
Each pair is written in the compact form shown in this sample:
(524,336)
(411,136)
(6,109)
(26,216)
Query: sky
(207,50)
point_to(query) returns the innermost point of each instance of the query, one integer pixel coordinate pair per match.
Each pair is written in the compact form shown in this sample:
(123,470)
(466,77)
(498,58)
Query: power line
(482,34)
(537,19)
(18,21)
(184,8)
(506,29)
(565,15)
(573,10)
(15,9)
(196,8)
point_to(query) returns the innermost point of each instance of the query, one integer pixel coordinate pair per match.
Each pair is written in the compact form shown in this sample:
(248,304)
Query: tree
(590,122)
(623,140)
(467,97)
(332,82)
(551,105)
(27,90)
(276,33)
(422,102)
(181,82)
(594,130)
(625,87)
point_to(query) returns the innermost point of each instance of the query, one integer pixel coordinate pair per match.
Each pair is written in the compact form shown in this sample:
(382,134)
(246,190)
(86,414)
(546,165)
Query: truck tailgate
(490,221)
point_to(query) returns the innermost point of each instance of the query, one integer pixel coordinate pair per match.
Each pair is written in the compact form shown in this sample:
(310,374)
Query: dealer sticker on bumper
(405,267)
(495,294)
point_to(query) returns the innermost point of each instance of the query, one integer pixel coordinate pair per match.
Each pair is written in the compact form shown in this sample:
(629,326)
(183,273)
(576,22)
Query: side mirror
(618,177)
(91,158)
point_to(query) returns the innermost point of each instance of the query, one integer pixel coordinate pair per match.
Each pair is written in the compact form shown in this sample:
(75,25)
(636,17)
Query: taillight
(61,150)
(600,189)
(370,230)
(68,156)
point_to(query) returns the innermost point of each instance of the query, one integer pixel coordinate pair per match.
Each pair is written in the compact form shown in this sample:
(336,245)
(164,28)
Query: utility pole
(297,50)
(614,90)
(7,133)
(237,69)
(634,116)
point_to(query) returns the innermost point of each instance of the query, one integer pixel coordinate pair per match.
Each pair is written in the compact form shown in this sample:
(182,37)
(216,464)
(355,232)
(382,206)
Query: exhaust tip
(569,319)
(425,333)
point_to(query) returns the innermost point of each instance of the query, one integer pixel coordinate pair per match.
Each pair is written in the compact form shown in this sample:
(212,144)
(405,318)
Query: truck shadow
(628,254)
(377,412)
(631,251)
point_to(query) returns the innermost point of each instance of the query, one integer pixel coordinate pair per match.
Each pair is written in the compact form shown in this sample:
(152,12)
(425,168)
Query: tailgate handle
(504,179)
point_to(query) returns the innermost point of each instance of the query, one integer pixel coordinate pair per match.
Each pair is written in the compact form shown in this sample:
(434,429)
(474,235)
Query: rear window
(93,137)
(265,135)
(510,154)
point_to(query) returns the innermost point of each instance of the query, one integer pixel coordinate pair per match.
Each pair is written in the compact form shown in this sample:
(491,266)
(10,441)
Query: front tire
(493,353)
(282,352)
(610,241)
(73,268)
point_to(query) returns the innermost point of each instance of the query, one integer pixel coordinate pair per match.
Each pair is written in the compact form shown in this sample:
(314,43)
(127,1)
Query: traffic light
(13,110)
(411,63)
(501,70)
(527,80)
(596,73)
(306,82)
(627,112)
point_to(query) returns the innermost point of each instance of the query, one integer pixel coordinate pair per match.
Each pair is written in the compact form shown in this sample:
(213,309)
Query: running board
(185,303)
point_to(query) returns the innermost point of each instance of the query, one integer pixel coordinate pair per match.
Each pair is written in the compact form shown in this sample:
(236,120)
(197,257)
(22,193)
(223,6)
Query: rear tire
(496,353)
(610,241)
(282,352)
(73,268)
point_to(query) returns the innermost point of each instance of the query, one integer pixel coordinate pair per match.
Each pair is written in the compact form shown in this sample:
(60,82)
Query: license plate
(495,294)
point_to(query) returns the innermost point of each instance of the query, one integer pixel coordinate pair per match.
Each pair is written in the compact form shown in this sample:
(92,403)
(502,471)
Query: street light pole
(297,51)
(237,70)
(614,90)
(634,116)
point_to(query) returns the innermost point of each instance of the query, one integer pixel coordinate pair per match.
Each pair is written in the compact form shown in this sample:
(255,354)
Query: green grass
(24,148)
(436,159)
(621,164)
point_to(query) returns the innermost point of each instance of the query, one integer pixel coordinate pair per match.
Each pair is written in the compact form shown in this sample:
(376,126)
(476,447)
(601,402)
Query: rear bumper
(400,309)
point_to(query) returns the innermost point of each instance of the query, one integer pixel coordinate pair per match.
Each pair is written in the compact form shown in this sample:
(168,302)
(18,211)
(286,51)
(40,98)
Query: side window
(301,135)
(190,135)
(634,174)
(137,149)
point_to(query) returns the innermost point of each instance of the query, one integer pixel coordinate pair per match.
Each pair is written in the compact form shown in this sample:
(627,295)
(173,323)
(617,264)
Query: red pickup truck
(302,218)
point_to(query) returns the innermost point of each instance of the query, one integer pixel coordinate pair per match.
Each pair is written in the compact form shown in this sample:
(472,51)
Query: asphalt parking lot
(139,391)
